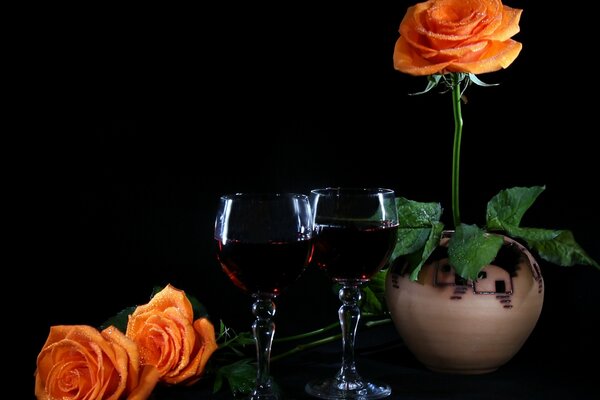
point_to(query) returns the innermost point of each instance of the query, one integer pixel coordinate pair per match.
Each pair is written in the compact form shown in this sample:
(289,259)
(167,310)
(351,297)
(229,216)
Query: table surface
(534,373)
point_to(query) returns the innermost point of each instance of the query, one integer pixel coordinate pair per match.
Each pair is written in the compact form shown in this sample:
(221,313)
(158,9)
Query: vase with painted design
(461,326)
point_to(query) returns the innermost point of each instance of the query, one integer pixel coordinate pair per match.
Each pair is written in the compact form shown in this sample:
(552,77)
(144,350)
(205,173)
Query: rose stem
(458,125)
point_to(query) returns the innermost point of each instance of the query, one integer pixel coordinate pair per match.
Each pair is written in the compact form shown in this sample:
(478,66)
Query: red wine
(264,267)
(353,252)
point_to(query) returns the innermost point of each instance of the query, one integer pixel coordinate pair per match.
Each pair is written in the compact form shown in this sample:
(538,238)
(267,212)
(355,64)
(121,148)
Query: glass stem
(263,329)
(349,313)
(458,125)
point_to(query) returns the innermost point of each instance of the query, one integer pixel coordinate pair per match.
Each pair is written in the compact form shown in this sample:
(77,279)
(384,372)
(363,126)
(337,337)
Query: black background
(131,122)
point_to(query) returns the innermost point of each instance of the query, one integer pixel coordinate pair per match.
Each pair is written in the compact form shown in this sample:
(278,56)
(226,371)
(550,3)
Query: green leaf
(370,303)
(409,240)
(508,206)
(119,320)
(235,341)
(532,234)
(373,301)
(563,250)
(419,227)
(377,284)
(432,82)
(432,243)
(415,214)
(471,248)
(240,376)
(230,341)
(245,338)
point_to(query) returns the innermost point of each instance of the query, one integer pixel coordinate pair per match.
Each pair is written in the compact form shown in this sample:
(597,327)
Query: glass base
(334,388)
(264,396)
(266,392)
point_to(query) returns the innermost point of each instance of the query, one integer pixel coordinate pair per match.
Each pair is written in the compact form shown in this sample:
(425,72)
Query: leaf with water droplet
(532,234)
(419,232)
(508,206)
(240,375)
(471,248)
(562,250)
(409,241)
(433,241)
(373,301)
(416,214)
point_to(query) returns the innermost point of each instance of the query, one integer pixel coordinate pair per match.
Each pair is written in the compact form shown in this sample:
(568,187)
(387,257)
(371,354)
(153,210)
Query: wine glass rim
(263,195)
(352,190)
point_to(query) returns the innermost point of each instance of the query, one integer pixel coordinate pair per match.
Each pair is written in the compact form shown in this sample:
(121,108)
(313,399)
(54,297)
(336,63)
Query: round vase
(461,326)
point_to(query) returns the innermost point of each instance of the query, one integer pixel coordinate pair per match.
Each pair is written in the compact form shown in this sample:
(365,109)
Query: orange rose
(169,338)
(469,36)
(78,362)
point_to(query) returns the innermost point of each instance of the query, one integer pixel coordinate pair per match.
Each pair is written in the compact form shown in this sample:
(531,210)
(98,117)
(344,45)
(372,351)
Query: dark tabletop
(536,372)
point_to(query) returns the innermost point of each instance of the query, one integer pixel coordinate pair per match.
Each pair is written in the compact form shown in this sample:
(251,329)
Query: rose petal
(462,53)
(408,61)
(158,338)
(187,338)
(509,26)
(206,345)
(131,356)
(455,19)
(498,55)
(168,297)
(148,380)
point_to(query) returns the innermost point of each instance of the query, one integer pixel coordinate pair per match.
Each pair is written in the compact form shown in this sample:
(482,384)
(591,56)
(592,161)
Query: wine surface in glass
(266,267)
(353,250)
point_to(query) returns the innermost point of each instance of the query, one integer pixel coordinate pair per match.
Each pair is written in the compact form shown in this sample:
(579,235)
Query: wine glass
(355,232)
(263,244)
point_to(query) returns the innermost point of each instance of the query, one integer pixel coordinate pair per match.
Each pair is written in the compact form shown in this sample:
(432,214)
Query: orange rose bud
(442,36)
(79,362)
(169,339)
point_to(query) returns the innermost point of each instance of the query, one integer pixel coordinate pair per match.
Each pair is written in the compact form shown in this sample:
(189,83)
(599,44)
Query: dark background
(131,122)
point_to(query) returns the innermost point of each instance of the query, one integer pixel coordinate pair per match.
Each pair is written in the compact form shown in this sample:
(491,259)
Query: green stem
(228,342)
(302,347)
(371,324)
(328,339)
(308,334)
(458,125)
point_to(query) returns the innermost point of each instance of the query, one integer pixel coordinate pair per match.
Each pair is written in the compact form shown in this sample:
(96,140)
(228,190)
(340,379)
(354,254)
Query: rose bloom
(469,36)
(169,339)
(79,362)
